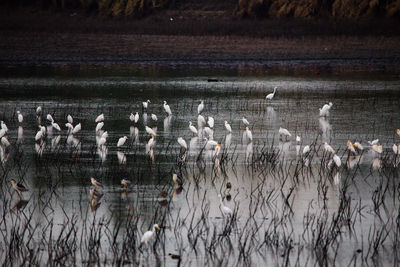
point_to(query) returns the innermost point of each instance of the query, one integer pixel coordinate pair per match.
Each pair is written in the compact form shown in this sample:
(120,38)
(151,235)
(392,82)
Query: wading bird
(146,104)
(200,107)
(192,128)
(225,210)
(20,117)
(324,111)
(271,95)
(100,118)
(149,234)
(228,126)
(167,108)
(122,141)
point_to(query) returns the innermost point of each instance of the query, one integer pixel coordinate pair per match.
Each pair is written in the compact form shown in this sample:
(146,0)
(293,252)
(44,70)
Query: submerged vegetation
(230,196)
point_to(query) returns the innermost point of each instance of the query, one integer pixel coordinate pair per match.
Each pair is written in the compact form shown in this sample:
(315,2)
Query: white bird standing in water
(225,210)
(324,111)
(228,126)
(146,104)
(20,117)
(70,119)
(245,121)
(100,118)
(200,107)
(167,108)
(136,117)
(210,122)
(147,236)
(150,131)
(50,118)
(249,134)
(132,117)
(192,128)
(122,141)
(328,148)
(337,160)
(201,121)
(77,128)
(271,95)
(99,126)
(284,132)
(182,142)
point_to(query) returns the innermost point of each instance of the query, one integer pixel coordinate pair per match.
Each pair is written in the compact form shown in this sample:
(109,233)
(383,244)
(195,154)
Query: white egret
(328,148)
(132,117)
(228,126)
(271,95)
(20,117)
(4,126)
(38,110)
(99,118)
(182,142)
(39,135)
(396,149)
(2,132)
(167,108)
(201,121)
(77,128)
(245,121)
(122,141)
(146,104)
(150,131)
(324,111)
(18,187)
(99,126)
(225,210)
(147,236)
(200,108)
(284,132)
(210,144)
(150,143)
(298,139)
(154,117)
(50,118)
(5,142)
(249,134)
(209,132)
(101,141)
(96,183)
(104,135)
(373,142)
(70,119)
(337,160)
(136,117)
(210,122)
(306,149)
(192,128)
(56,126)
(69,126)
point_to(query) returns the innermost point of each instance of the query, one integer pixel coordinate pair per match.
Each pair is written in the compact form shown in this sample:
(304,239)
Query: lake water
(288,208)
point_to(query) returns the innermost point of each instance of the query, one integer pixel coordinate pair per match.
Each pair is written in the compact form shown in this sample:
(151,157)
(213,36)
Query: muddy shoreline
(40,44)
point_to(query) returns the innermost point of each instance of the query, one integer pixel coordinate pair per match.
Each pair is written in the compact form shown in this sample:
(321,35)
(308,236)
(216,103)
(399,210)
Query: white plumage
(77,128)
(182,142)
(122,141)
(210,122)
(99,126)
(228,126)
(150,131)
(271,95)
(324,111)
(100,118)
(192,128)
(200,107)
(167,108)
(147,236)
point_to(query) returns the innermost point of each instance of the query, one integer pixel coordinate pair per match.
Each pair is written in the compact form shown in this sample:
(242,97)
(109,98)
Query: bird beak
(158,228)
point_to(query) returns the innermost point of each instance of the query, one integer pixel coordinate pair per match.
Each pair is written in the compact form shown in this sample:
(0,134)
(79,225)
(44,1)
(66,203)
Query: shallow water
(283,204)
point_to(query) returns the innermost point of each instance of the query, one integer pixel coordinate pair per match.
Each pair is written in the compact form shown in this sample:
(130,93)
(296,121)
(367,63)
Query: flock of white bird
(205,130)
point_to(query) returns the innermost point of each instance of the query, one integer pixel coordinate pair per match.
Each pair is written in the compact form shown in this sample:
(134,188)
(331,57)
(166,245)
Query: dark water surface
(288,208)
